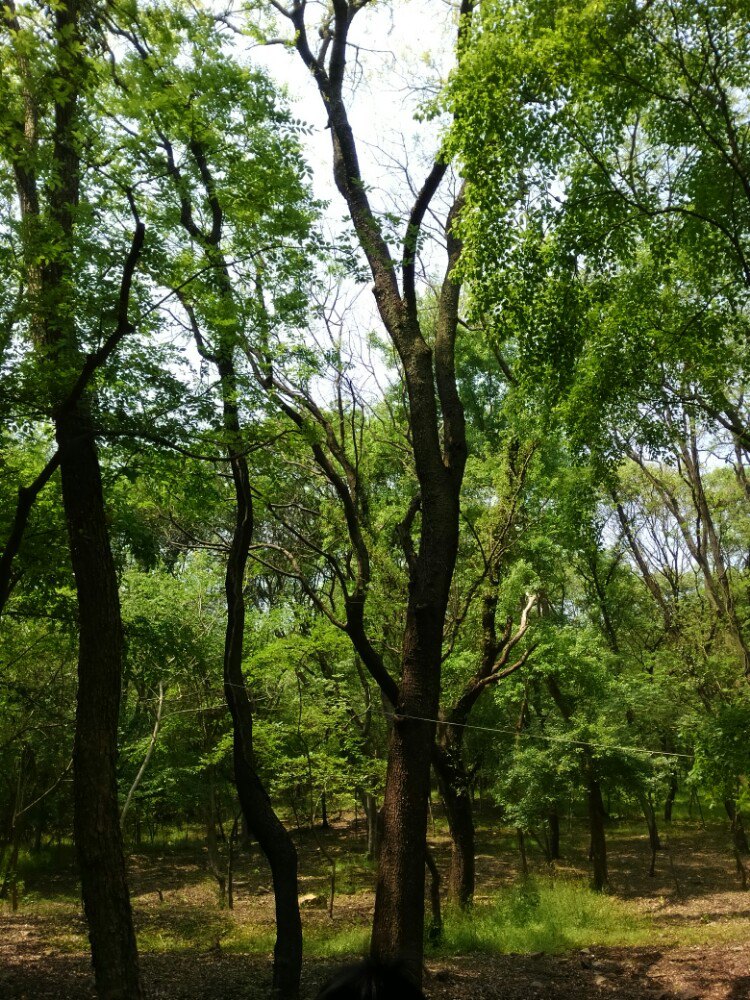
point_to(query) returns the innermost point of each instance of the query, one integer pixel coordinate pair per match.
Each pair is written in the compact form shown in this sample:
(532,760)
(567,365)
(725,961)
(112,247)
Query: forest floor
(682,935)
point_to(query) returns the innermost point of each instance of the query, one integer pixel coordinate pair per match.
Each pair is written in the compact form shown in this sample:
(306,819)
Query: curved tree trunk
(273,838)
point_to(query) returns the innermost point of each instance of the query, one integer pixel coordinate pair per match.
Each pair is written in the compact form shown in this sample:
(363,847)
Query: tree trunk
(521,839)
(214,858)
(262,822)
(438,441)
(398,922)
(435,932)
(10,868)
(453,781)
(739,836)
(653,833)
(370,809)
(260,818)
(97,830)
(49,285)
(598,838)
(669,801)
(553,832)
(281,854)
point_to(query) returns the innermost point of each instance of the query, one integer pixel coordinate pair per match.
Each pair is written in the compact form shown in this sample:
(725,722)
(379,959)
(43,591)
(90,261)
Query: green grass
(195,932)
(550,915)
(320,941)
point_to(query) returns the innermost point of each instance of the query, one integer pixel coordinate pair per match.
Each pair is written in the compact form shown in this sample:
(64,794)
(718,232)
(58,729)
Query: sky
(399,53)
(396,49)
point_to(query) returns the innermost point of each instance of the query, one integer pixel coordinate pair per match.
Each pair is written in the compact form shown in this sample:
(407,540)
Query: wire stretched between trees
(536,736)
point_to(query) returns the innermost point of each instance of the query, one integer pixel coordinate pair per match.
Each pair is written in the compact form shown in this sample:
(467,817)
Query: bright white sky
(400,51)
(397,48)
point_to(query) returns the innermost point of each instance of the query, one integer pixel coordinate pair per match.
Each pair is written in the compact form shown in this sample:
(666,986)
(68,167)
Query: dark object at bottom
(371,980)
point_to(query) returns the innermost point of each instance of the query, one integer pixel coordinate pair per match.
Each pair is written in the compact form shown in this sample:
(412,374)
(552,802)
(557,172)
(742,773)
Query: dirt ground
(700,917)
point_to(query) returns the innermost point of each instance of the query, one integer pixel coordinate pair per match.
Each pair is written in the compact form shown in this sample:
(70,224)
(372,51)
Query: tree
(43,143)
(439,449)
(227,157)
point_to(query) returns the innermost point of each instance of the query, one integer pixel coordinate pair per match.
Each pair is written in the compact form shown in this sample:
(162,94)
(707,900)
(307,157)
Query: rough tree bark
(48,286)
(439,449)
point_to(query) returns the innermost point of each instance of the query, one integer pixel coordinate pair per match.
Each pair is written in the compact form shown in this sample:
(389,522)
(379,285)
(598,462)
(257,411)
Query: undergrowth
(544,914)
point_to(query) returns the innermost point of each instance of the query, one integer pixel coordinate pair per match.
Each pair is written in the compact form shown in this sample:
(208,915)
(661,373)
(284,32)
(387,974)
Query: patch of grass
(337,942)
(48,862)
(320,940)
(729,929)
(184,929)
(550,915)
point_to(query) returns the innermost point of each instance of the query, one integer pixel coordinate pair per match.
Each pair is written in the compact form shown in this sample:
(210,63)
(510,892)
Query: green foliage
(550,915)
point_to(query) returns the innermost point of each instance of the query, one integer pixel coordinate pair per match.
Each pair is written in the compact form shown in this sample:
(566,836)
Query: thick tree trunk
(49,284)
(97,816)
(398,922)
(597,814)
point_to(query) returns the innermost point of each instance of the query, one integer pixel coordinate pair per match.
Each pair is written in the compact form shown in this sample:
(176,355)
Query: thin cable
(535,736)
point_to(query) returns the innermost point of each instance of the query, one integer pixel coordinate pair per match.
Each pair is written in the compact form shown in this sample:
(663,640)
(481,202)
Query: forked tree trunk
(448,754)
(649,814)
(438,439)
(653,833)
